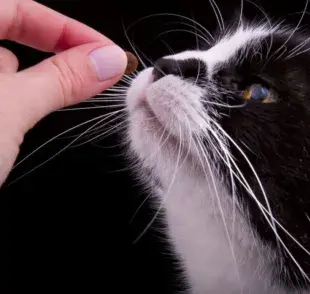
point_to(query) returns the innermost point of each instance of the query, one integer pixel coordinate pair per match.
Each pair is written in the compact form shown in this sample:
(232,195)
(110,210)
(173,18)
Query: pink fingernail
(108,61)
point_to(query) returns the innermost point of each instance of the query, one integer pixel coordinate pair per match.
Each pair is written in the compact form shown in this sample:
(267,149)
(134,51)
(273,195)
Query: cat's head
(242,102)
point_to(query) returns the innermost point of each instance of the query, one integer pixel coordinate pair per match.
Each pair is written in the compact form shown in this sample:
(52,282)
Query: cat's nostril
(188,68)
(165,66)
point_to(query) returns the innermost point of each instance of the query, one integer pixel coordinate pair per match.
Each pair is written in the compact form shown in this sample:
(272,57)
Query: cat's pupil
(259,92)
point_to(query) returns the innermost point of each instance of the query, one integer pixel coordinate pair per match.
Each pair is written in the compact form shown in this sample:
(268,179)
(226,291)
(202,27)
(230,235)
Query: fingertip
(71,77)
(108,62)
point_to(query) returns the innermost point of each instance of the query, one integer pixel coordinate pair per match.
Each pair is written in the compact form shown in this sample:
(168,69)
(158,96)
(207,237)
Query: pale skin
(68,77)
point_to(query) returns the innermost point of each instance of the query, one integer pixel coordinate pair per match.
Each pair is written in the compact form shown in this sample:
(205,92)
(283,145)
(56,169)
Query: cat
(221,137)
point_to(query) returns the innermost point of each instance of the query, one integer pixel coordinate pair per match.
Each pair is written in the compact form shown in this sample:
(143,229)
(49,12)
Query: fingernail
(108,61)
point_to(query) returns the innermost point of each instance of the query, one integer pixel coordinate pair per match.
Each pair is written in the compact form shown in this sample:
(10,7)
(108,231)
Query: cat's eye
(260,93)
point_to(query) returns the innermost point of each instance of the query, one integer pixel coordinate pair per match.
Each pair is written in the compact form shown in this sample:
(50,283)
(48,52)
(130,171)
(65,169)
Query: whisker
(127,77)
(264,212)
(104,116)
(120,115)
(104,134)
(168,47)
(152,155)
(120,95)
(269,23)
(225,105)
(184,31)
(307,217)
(98,100)
(298,53)
(297,48)
(117,90)
(292,33)
(52,157)
(125,80)
(218,200)
(217,14)
(274,221)
(241,13)
(248,162)
(174,15)
(93,107)
(202,33)
(147,58)
(132,46)
(199,62)
(166,194)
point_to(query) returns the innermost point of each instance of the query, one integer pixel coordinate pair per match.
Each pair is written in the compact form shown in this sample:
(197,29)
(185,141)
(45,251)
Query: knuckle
(15,29)
(69,80)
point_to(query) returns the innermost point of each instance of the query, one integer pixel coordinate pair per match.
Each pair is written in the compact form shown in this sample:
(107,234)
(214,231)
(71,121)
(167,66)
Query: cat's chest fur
(199,237)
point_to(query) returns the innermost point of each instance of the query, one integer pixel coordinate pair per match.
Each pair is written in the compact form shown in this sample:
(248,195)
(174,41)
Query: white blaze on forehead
(226,48)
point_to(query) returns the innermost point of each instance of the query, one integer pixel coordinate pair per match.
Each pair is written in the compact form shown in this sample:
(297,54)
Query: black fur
(188,69)
(71,235)
(277,139)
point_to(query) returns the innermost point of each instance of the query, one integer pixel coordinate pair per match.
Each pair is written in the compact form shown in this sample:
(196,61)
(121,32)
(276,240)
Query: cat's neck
(195,216)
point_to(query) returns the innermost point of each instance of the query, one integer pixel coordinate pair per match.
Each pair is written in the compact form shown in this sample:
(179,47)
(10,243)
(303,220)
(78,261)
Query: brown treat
(132,63)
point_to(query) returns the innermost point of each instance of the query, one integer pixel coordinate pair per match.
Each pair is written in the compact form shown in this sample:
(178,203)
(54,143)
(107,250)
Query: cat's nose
(165,66)
(188,68)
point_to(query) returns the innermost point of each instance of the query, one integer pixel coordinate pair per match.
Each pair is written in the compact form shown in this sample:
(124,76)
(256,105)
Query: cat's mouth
(139,99)
(149,112)
(164,112)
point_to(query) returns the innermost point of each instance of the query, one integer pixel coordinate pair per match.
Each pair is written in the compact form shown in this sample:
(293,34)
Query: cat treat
(132,63)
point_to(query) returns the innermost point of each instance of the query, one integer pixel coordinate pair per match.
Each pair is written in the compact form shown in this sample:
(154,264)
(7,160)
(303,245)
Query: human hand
(85,63)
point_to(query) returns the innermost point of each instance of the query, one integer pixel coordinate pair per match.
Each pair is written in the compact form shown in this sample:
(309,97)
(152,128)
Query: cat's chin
(141,115)
(136,94)
(164,108)
(150,140)
(152,137)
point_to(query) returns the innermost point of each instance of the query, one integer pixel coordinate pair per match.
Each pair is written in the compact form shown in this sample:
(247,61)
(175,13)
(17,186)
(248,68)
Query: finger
(8,61)
(35,25)
(66,79)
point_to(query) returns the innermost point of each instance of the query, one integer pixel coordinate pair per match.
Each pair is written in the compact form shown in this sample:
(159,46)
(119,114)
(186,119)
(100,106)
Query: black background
(65,227)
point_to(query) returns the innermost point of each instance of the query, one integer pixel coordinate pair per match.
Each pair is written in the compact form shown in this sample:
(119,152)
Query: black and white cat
(222,137)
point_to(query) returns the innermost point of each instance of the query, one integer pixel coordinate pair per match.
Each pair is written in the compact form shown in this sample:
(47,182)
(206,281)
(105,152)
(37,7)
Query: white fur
(226,48)
(195,223)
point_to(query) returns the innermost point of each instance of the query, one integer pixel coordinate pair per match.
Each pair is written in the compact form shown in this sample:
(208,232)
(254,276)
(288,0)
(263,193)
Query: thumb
(67,78)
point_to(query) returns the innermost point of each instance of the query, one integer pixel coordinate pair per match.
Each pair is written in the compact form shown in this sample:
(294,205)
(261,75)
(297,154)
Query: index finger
(32,24)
